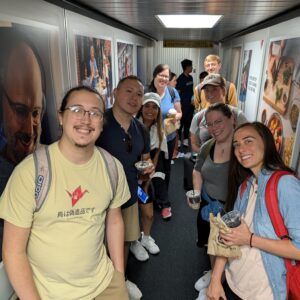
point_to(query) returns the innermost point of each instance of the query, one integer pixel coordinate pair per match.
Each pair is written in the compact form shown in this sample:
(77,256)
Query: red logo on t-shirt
(77,195)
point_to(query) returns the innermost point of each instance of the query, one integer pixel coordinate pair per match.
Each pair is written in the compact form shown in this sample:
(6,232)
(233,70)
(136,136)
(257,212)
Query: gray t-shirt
(215,175)
(198,122)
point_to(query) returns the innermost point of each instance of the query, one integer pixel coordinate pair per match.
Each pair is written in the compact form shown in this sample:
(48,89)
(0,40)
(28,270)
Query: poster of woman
(235,59)
(94,65)
(245,75)
(125,59)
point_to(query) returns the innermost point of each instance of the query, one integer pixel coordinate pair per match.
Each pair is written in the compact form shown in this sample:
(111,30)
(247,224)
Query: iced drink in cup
(232,219)
(194,198)
(172,113)
(142,165)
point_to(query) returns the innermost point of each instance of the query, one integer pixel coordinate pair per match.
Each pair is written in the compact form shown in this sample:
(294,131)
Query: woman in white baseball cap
(156,188)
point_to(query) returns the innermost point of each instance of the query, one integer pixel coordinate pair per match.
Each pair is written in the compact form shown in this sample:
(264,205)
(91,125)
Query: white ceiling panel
(237,15)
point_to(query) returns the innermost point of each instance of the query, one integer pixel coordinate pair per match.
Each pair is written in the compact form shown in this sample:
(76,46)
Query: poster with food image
(279,72)
(280,107)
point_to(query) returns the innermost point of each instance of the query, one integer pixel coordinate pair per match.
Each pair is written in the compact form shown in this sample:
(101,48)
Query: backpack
(271,198)
(226,96)
(43,174)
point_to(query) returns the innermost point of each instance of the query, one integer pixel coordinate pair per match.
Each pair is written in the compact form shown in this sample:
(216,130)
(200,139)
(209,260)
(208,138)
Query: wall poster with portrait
(280,107)
(94,65)
(29,55)
(235,63)
(250,77)
(245,75)
(125,59)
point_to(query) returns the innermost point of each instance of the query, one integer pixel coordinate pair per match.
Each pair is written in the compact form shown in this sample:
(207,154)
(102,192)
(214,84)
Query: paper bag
(215,246)
(169,126)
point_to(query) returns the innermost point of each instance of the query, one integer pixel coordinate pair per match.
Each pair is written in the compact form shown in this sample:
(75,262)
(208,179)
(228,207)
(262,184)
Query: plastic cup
(172,113)
(142,165)
(232,219)
(194,199)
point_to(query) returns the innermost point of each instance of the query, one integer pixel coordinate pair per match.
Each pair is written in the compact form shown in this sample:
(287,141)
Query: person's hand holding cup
(193,199)
(232,219)
(145,169)
(172,114)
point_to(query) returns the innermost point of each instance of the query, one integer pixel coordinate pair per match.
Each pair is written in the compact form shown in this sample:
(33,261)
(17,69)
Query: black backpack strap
(43,175)
(206,148)
(172,93)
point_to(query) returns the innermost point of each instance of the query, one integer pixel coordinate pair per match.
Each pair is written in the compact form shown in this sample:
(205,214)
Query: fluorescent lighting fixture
(189,21)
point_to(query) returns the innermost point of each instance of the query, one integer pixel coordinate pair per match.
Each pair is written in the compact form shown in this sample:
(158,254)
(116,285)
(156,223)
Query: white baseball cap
(152,97)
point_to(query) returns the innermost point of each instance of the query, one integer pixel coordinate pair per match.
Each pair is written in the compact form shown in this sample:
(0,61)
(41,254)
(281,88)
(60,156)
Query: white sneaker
(202,294)
(203,282)
(149,243)
(185,142)
(180,155)
(139,251)
(133,291)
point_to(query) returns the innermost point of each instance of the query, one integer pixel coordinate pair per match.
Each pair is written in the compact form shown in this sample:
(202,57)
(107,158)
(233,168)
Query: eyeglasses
(216,123)
(22,111)
(163,76)
(128,140)
(79,112)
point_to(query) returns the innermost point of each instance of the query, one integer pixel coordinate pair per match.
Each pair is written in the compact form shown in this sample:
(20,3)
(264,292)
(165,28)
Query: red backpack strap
(271,198)
(244,187)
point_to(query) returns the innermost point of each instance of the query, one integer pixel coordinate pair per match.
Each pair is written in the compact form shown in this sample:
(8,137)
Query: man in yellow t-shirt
(58,252)
(212,65)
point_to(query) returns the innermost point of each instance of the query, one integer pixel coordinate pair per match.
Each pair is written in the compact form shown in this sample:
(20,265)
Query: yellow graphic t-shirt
(65,247)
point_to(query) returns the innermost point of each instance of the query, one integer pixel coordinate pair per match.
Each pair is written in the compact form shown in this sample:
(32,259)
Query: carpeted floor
(171,274)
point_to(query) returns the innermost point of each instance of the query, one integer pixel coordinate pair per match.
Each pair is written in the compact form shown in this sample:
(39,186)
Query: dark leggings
(159,184)
(171,147)
(203,227)
(185,122)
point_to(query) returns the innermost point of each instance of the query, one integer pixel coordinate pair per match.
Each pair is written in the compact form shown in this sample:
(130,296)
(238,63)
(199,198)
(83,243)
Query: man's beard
(81,146)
